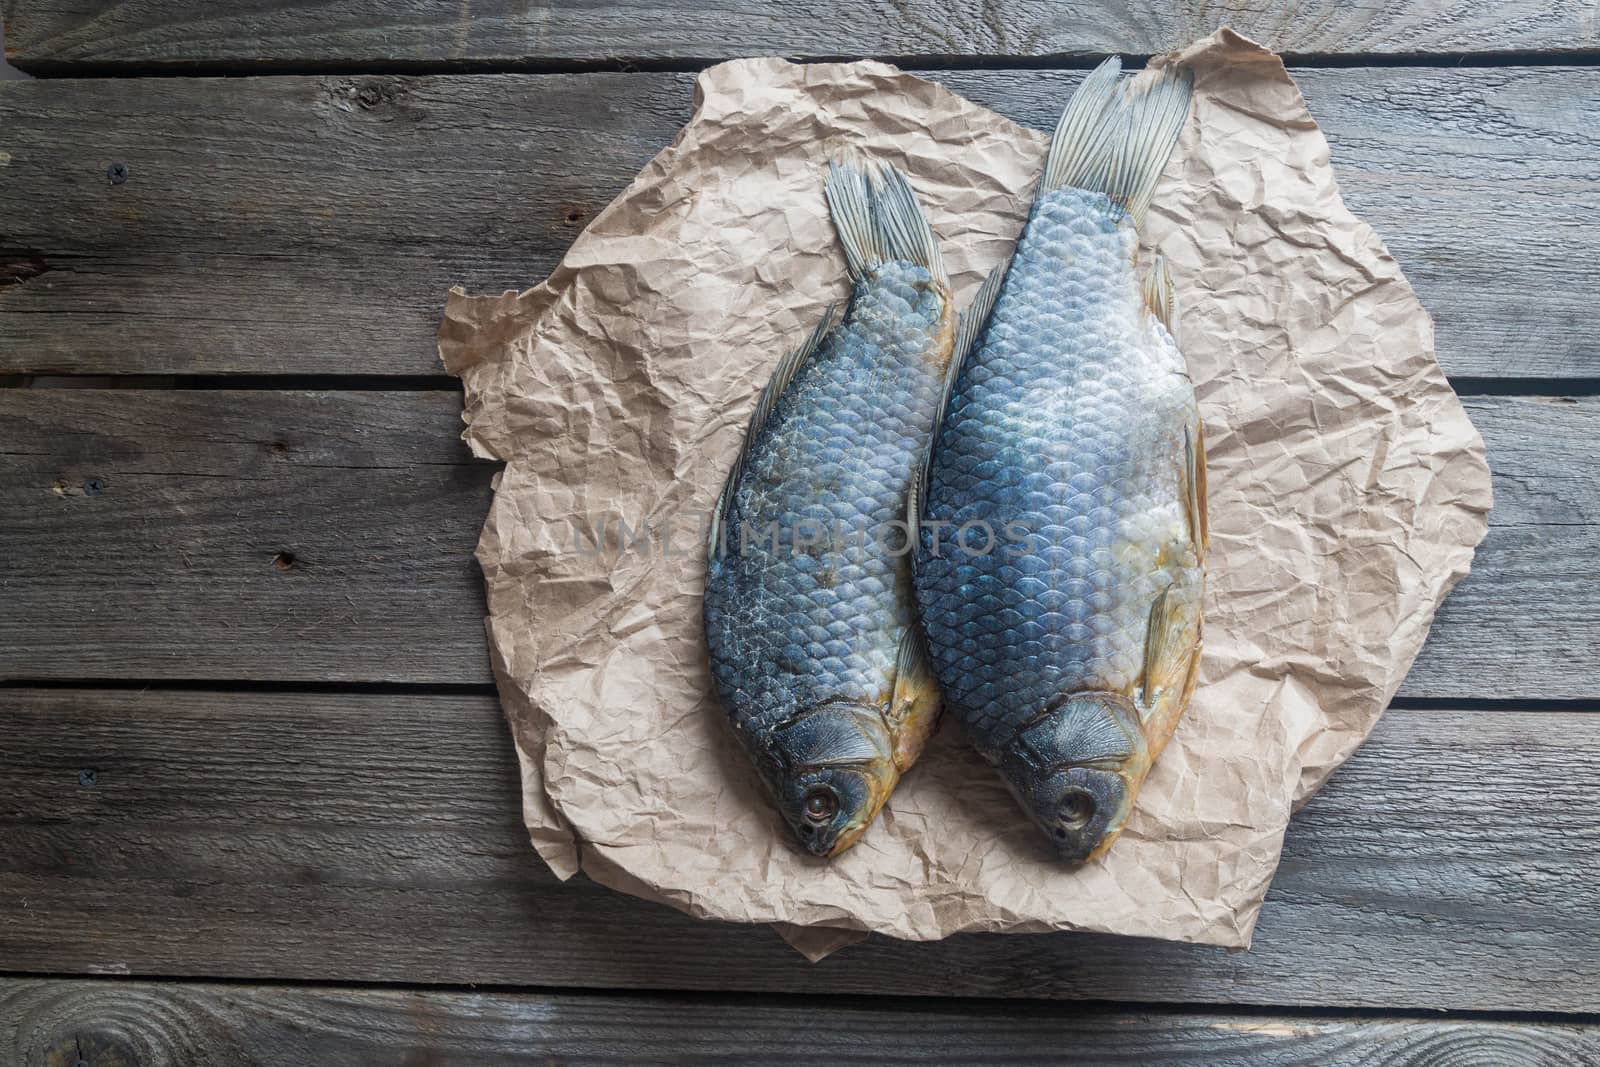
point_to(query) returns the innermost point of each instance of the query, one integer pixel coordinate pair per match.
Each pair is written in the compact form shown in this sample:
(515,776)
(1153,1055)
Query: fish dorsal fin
(968,329)
(785,373)
(1194,487)
(879,220)
(974,318)
(1114,136)
(1160,297)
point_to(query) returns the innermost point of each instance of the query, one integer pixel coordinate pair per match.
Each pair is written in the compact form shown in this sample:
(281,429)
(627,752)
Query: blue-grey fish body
(808,602)
(1069,651)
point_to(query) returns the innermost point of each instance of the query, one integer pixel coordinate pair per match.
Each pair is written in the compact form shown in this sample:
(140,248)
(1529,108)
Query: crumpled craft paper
(1348,490)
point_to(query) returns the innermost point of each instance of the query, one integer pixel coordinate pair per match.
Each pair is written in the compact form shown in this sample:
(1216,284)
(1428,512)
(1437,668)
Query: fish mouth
(1081,809)
(846,838)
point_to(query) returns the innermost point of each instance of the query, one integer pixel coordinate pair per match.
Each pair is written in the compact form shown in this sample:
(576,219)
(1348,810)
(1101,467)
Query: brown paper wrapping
(1348,490)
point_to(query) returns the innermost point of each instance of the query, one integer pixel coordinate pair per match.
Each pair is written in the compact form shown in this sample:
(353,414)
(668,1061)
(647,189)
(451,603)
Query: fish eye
(1077,808)
(821,804)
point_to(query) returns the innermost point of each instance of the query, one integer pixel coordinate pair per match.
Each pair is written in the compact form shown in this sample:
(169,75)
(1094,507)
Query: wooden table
(256,800)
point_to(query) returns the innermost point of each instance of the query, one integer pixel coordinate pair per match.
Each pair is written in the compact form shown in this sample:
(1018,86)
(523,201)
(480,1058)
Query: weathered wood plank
(376,838)
(312,225)
(239,535)
(306,225)
(1521,624)
(56,36)
(7,71)
(145,1024)
(171,565)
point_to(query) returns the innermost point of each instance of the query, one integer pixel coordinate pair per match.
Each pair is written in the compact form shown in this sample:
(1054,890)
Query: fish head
(831,773)
(1076,769)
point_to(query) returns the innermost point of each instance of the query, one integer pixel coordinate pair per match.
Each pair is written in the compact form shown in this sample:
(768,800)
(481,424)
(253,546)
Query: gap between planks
(645,65)
(190,35)
(434,383)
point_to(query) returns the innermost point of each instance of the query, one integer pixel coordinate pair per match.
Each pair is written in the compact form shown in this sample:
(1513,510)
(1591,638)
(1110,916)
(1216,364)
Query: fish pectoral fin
(782,375)
(1160,298)
(913,709)
(1194,487)
(1171,658)
(1165,651)
(1154,648)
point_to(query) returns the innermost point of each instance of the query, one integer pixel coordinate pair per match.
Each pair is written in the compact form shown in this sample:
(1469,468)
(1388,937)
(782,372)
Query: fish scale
(808,604)
(1050,380)
(1068,652)
(832,450)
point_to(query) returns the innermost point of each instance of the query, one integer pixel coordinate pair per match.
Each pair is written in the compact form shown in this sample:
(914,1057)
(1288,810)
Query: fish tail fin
(879,219)
(1084,129)
(1115,136)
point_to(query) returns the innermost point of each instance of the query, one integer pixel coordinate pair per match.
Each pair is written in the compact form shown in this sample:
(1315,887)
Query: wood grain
(312,225)
(375,837)
(144,1024)
(292,537)
(200,534)
(58,36)
(1484,643)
